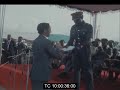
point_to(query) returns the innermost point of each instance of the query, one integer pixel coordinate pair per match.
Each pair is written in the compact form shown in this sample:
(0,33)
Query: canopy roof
(95,8)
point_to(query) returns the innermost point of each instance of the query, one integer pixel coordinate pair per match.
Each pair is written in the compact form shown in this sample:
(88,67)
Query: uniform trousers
(82,62)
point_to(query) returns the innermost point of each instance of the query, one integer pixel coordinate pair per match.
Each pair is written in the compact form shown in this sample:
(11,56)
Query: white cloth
(69,48)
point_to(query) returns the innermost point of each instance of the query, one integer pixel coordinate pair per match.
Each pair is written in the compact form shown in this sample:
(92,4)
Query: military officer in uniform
(81,33)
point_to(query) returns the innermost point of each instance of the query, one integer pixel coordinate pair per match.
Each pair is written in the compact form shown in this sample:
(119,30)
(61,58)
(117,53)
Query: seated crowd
(105,55)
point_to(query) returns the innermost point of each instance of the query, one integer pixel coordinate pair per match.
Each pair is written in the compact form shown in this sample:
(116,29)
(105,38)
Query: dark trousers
(38,85)
(111,75)
(19,60)
(97,72)
(81,61)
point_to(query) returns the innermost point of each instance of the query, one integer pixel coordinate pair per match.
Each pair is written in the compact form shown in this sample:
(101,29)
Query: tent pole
(0,32)
(94,25)
(100,27)
(119,26)
(2,16)
(90,18)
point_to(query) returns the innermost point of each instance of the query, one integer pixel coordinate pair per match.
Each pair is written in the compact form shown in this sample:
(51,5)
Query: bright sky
(25,18)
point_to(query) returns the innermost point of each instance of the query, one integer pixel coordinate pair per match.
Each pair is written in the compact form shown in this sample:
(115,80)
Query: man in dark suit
(9,47)
(43,51)
(20,48)
(80,35)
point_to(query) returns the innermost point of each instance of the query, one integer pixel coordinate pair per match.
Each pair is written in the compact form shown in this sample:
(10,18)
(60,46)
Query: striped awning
(95,8)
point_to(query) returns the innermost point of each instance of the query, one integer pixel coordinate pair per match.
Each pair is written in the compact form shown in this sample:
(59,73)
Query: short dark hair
(9,35)
(104,40)
(61,41)
(97,39)
(20,37)
(42,26)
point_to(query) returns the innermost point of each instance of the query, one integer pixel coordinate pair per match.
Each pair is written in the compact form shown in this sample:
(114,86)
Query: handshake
(68,48)
(62,51)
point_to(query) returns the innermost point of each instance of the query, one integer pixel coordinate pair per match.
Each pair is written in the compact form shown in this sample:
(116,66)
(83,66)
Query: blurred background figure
(9,47)
(115,64)
(58,45)
(20,48)
(62,42)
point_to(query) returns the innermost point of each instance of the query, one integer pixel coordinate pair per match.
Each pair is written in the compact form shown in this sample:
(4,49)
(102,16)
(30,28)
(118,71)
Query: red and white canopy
(95,8)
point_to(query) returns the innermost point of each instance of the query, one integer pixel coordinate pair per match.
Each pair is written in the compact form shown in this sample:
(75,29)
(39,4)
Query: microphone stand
(28,70)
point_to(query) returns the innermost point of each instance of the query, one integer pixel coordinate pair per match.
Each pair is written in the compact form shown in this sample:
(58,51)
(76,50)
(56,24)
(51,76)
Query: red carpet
(7,77)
